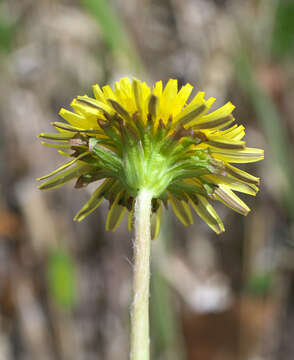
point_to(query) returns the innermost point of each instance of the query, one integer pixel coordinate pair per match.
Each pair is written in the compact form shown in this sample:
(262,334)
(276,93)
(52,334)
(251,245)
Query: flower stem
(139,348)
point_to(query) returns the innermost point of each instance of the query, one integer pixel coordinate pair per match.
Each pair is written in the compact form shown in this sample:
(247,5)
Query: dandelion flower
(134,137)
(150,148)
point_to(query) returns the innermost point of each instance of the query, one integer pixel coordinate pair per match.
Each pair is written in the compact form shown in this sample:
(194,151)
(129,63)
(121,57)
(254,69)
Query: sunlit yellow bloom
(133,137)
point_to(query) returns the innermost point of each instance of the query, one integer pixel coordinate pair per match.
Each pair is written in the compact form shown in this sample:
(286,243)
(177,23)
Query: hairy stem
(139,349)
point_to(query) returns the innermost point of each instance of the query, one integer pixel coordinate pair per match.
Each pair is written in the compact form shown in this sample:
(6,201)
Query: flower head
(133,138)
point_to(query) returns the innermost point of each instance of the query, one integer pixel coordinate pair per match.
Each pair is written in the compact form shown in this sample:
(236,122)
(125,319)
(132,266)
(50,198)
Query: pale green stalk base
(139,348)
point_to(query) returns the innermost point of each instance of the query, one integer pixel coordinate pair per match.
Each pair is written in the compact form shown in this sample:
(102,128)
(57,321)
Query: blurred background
(65,287)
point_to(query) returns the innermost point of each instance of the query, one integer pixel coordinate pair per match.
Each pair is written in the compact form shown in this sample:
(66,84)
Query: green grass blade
(114,32)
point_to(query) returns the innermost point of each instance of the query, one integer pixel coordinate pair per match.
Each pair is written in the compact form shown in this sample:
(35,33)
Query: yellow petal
(224,143)
(141,94)
(242,175)
(115,214)
(223,111)
(125,95)
(64,166)
(236,133)
(181,209)
(120,110)
(96,105)
(230,199)
(157,89)
(207,213)
(167,99)
(131,217)
(247,155)
(190,113)
(153,106)
(98,93)
(57,146)
(193,110)
(93,203)
(64,153)
(182,98)
(66,176)
(72,118)
(108,92)
(155,222)
(232,184)
(126,86)
(89,114)
(217,119)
